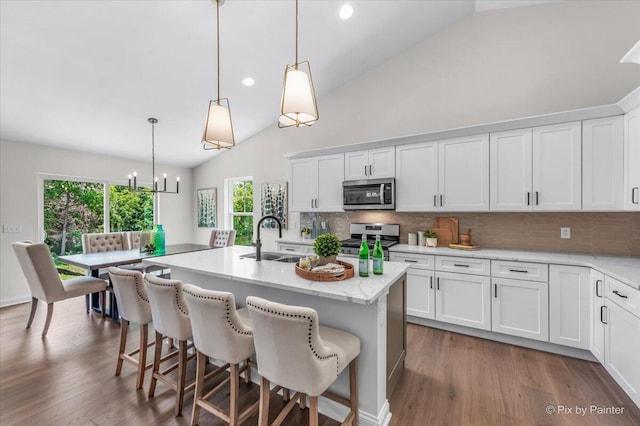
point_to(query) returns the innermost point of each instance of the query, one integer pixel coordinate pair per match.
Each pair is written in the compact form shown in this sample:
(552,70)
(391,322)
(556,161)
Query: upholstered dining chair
(294,351)
(222,238)
(45,283)
(222,332)
(133,304)
(133,242)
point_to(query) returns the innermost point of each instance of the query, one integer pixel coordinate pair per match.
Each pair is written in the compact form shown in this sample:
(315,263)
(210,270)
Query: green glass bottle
(363,264)
(378,257)
(158,240)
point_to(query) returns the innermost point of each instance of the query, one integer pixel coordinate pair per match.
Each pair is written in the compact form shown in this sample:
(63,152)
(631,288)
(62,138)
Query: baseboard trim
(503,338)
(14,301)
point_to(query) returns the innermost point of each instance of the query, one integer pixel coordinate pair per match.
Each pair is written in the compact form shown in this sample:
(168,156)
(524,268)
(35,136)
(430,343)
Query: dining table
(95,262)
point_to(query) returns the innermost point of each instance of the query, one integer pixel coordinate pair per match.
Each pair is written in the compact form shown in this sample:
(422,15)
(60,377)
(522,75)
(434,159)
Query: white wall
(492,66)
(20,165)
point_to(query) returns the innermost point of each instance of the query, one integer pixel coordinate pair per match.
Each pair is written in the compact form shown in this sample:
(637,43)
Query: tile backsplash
(593,233)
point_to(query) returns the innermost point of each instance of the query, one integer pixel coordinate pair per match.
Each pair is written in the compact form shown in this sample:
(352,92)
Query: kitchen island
(373,308)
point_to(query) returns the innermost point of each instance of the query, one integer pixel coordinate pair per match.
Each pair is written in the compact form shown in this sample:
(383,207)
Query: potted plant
(327,247)
(305,232)
(431,238)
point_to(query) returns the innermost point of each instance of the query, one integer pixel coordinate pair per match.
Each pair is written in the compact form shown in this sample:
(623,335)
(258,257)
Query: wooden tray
(326,276)
(463,247)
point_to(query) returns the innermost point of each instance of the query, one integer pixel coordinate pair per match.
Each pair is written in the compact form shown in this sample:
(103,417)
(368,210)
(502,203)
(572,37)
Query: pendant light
(298,106)
(218,130)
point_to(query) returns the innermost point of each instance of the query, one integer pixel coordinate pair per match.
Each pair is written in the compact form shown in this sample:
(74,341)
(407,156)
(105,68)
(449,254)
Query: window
(240,209)
(130,210)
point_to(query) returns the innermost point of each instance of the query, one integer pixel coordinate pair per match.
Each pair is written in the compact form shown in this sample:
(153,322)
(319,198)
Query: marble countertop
(227,263)
(625,269)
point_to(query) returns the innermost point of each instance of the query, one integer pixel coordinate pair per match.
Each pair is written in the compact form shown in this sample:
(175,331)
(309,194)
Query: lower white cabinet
(421,293)
(622,349)
(295,248)
(569,306)
(520,308)
(463,299)
(596,309)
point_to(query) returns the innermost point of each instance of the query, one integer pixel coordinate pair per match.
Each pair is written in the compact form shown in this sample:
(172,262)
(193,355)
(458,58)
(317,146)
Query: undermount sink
(276,257)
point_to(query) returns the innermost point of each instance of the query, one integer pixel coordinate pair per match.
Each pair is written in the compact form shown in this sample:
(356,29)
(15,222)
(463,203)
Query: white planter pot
(432,242)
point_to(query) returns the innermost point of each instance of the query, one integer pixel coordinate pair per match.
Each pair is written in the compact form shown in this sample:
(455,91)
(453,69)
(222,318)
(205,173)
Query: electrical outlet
(565,233)
(11,228)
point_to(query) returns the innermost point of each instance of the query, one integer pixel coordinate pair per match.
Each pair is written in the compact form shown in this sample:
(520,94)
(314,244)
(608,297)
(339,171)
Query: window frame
(228,201)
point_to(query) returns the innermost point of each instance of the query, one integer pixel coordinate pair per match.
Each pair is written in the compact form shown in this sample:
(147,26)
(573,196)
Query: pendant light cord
(296,34)
(218,44)
(153,153)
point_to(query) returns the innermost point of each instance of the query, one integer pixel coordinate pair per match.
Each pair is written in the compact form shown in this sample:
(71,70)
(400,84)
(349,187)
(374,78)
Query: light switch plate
(8,228)
(565,233)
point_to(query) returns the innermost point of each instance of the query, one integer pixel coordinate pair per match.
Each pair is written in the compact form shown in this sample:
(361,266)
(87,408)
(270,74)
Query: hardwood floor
(450,379)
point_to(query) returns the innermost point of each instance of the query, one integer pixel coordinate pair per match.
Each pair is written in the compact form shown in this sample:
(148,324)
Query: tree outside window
(242,210)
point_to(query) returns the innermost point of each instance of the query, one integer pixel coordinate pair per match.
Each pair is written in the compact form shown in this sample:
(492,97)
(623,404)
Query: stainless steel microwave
(369,194)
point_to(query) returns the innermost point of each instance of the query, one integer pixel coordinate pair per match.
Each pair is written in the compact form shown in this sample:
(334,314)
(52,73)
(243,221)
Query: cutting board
(461,247)
(444,236)
(450,223)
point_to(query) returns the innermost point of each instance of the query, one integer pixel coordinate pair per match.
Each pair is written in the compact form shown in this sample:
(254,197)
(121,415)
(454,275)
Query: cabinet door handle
(440,200)
(462,265)
(495,290)
(602,308)
(289,249)
(522,271)
(528,198)
(438,283)
(370,172)
(431,281)
(537,198)
(599,287)
(365,170)
(634,191)
(312,203)
(617,293)
(435,202)
(411,261)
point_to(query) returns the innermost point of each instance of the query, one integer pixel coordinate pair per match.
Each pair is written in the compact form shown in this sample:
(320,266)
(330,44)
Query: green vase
(158,239)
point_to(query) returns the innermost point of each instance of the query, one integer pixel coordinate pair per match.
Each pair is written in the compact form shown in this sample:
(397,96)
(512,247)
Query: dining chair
(45,283)
(294,351)
(222,238)
(222,332)
(133,242)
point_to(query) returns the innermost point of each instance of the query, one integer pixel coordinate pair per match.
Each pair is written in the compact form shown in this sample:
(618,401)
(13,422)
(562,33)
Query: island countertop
(227,263)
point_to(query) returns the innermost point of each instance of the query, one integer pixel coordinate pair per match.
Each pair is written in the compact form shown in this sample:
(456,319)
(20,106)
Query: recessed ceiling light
(248,81)
(346,11)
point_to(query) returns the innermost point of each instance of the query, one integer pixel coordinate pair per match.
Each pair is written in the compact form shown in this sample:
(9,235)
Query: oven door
(372,194)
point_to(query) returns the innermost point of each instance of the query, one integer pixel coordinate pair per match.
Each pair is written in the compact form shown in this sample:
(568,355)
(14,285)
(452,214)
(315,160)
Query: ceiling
(86,75)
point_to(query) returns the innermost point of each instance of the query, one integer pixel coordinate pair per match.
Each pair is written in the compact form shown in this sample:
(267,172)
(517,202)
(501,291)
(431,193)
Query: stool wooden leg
(353,390)
(234,395)
(182,372)
(124,328)
(285,394)
(264,402)
(48,320)
(34,306)
(313,411)
(142,355)
(156,364)
(200,367)
(247,372)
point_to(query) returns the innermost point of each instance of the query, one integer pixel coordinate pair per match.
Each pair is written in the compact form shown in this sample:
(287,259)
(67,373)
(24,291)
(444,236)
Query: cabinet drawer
(520,270)
(295,248)
(623,295)
(422,261)
(463,265)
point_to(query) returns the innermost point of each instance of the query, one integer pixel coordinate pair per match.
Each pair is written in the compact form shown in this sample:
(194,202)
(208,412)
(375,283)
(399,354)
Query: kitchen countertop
(624,269)
(294,240)
(227,263)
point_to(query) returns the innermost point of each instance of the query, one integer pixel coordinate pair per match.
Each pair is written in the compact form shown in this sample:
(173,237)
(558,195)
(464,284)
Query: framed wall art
(206,207)
(274,202)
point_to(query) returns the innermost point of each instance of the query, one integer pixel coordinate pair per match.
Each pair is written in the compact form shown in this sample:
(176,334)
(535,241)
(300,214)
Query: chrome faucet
(258,242)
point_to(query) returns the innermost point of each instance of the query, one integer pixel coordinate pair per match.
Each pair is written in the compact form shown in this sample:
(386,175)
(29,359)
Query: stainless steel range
(389,236)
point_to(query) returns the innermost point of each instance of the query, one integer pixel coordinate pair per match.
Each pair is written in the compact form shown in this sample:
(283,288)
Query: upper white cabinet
(449,175)
(632,160)
(511,164)
(602,164)
(370,164)
(316,183)
(537,169)
(556,167)
(569,302)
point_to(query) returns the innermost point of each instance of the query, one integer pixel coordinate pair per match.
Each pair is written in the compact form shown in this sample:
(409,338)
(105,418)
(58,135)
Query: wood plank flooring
(68,378)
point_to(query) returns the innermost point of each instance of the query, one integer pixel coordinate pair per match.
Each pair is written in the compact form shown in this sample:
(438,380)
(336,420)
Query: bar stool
(222,332)
(170,319)
(294,351)
(133,301)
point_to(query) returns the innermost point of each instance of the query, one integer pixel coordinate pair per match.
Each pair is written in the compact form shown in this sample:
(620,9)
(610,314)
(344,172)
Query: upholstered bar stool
(222,332)
(294,351)
(133,302)
(170,319)
(222,238)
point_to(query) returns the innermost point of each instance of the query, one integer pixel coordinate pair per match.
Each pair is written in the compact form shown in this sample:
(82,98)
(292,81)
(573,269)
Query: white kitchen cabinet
(520,308)
(463,174)
(316,183)
(632,160)
(370,164)
(420,293)
(557,173)
(596,309)
(295,248)
(511,170)
(622,348)
(463,299)
(417,177)
(569,301)
(602,164)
